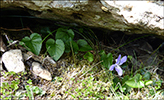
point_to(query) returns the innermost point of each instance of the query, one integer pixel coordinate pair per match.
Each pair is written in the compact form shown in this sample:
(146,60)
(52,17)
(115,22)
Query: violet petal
(119,70)
(123,60)
(118,59)
(112,67)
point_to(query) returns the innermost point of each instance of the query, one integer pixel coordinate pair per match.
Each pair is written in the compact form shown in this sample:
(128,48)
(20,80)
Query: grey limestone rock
(131,17)
(13,60)
(38,70)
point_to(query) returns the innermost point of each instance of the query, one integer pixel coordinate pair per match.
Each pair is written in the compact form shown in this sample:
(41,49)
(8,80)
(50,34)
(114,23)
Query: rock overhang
(130,17)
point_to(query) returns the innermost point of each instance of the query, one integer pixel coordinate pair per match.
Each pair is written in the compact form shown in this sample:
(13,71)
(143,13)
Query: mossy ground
(81,79)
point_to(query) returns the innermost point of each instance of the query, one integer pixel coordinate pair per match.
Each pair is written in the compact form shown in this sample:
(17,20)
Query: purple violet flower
(119,61)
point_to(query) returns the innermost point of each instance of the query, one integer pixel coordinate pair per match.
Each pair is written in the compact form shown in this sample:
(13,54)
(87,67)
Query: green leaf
(125,78)
(147,76)
(102,52)
(65,35)
(82,42)
(83,45)
(137,77)
(107,59)
(135,82)
(130,57)
(36,89)
(157,84)
(34,43)
(55,49)
(75,47)
(148,82)
(88,56)
(29,92)
(71,33)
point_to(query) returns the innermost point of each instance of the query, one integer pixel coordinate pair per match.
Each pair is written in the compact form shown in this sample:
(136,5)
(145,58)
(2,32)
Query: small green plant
(7,90)
(55,48)
(34,43)
(107,59)
(10,87)
(137,82)
(126,83)
(64,43)
(66,35)
(83,45)
(33,90)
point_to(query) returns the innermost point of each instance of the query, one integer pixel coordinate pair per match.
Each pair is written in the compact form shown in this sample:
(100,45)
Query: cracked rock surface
(131,17)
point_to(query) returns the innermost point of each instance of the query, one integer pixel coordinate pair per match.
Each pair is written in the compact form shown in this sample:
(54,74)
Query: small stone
(40,71)
(13,60)
(50,60)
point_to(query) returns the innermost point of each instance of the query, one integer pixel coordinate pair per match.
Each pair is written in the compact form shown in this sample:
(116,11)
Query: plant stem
(48,35)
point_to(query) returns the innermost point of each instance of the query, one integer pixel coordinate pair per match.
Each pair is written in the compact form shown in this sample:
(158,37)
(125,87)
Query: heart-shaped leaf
(83,45)
(34,43)
(135,82)
(107,59)
(147,76)
(65,35)
(55,48)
